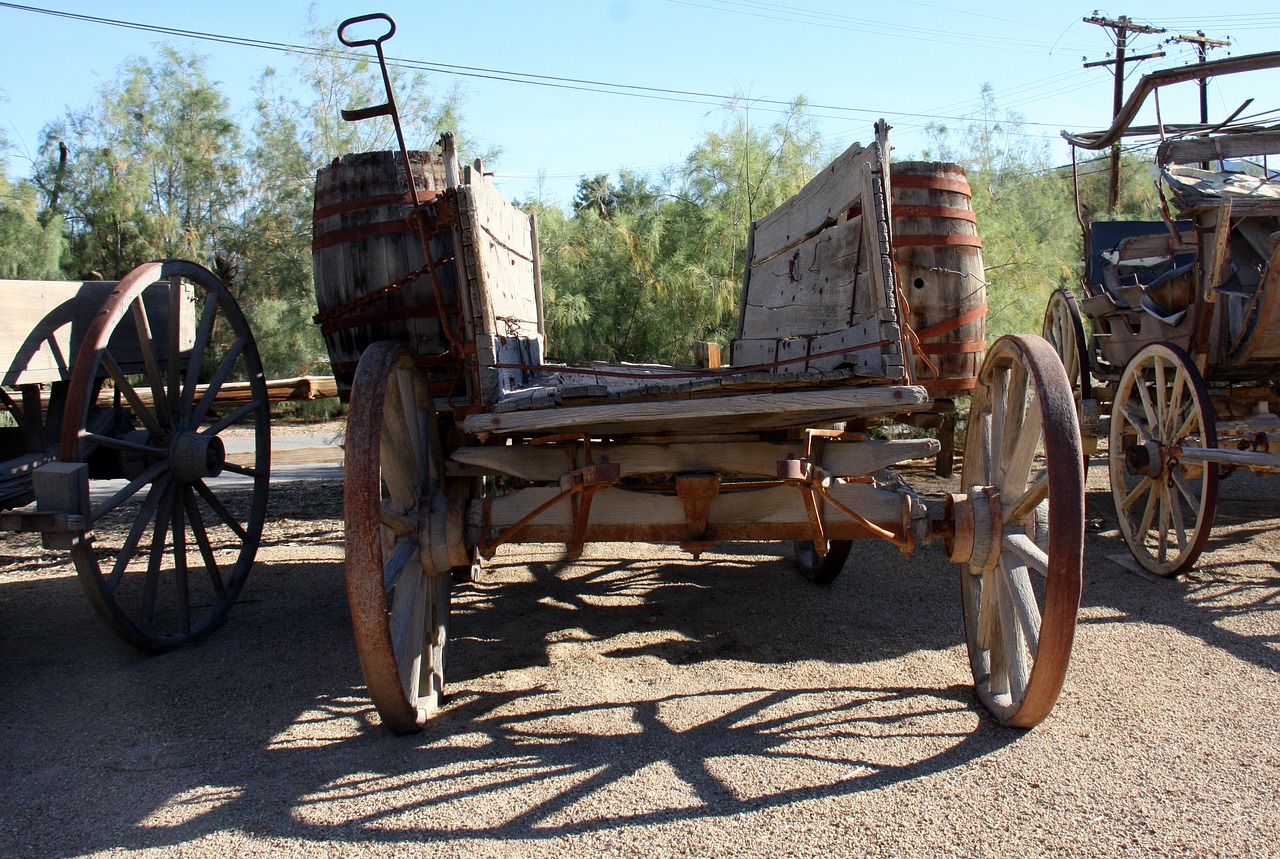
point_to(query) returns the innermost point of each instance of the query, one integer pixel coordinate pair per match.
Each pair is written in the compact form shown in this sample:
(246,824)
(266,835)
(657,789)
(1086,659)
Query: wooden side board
(738,413)
(499,263)
(44,323)
(820,280)
(548,463)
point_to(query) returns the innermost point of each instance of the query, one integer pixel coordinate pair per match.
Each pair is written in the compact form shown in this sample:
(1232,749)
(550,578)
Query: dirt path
(641,703)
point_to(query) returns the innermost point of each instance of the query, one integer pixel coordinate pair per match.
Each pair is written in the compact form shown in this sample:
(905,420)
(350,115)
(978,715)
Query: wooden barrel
(361,245)
(939,257)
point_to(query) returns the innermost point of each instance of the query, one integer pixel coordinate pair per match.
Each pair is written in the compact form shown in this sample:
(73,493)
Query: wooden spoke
(399,604)
(146,514)
(1020,627)
(191,540)
(139,406)
(201,533)
(142,324)
(116,443)
(220,376)
(1166,508)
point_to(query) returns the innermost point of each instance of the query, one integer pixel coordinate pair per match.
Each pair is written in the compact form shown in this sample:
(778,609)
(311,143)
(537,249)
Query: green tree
(153,168)
(29,248)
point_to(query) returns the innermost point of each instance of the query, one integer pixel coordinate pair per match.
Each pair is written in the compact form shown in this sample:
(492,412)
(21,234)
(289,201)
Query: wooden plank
(808,290)
(819,203)
(623,509)
(44,323)
(548,463)
(739,413)
(749,353)
(1220,147)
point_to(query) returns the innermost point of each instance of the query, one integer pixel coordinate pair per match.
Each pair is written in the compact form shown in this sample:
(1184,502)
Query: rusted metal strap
(956,240)
(368,297)
(364,231)
(936,212)
(355,320)
(968,347)
(361,204)
(936,183)
(952,324)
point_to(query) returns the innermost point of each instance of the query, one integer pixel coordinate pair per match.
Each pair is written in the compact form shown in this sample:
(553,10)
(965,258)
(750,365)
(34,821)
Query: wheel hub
(974,528)
(195,456)
(1141,459)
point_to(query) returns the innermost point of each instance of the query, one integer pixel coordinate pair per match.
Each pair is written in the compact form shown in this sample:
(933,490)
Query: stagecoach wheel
(142,405)
(1022,550)
(399,604)
(1064,329)
(1166,507)
(821,569)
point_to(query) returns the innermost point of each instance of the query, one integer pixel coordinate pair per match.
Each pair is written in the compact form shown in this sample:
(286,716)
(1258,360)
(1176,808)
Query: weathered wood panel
(811,288)
(740,413)
(1190,150)
(820,203)
(44,323)
(541,463)
(624,512)
(499,264)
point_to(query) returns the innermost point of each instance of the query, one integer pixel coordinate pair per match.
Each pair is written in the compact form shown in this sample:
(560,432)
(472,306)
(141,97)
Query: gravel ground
(640,703)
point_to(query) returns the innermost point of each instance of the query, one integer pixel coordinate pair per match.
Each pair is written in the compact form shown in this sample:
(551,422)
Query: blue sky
(908,60)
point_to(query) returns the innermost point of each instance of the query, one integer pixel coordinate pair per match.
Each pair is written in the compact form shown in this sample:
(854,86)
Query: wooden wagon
(462,437)
(118,397)
(1179,363)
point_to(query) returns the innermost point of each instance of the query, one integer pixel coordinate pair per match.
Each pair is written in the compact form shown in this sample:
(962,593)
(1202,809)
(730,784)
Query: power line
(501,75)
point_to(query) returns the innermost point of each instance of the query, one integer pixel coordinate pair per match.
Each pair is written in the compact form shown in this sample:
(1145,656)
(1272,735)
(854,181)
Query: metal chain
(370,297)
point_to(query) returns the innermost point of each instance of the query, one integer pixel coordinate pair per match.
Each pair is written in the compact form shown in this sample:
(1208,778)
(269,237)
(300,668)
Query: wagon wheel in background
(1064,329)
(1166,507)
(1019,529)
(821,569)
(397,587)
(141,405)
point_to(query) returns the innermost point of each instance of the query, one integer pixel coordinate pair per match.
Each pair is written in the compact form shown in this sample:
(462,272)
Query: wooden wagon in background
(462,437)
(1179,364)
(119,396)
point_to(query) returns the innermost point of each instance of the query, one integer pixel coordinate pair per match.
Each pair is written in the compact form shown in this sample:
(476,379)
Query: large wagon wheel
(192,521)
(1064,329)
(397,586)
(1019,530)
(1166,507)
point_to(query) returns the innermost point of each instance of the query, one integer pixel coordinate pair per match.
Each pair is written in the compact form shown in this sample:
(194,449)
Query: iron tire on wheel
(1020,628)
(193,534)
(1162,402)
(399,605)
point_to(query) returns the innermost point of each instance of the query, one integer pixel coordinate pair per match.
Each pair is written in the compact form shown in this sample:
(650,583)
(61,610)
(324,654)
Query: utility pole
(1203,43)
(1122,26)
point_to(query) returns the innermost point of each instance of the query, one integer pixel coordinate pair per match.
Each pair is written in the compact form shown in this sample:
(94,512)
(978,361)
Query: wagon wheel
(399,602)
(141,405)
(821,569)
(1019,531)
(1064,329)
(1166,507)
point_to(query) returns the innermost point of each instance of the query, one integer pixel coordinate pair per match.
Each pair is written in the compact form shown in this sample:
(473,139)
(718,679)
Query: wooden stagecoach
(462,437)
(1179,362)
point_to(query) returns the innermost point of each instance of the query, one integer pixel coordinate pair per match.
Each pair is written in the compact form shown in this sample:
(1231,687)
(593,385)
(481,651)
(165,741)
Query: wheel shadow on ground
(265,729)
(1230,600)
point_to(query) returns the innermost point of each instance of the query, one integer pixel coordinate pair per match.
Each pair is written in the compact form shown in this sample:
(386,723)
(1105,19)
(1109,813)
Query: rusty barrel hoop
(362,243)
(938,253)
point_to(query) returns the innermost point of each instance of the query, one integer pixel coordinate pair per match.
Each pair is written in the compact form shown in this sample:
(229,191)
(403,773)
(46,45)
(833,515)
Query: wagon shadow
(1230,601)
(265,728)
